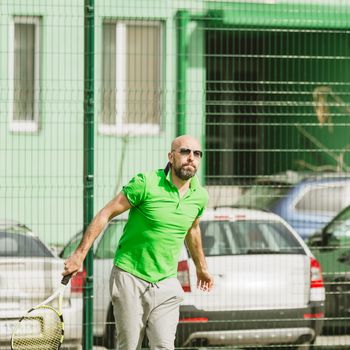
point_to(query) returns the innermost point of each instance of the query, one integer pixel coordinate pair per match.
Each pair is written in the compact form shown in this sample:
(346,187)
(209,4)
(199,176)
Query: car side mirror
(323,241)
(316,240)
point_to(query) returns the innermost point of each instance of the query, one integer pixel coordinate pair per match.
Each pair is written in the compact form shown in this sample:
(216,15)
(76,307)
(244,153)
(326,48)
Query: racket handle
(66,279)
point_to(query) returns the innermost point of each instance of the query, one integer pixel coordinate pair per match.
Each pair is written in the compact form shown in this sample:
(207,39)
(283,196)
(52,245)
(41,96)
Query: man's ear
(170,157)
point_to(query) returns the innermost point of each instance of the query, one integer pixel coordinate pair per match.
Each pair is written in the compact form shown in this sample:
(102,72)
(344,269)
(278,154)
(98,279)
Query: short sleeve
(200,212)
(205,203)
(135,190)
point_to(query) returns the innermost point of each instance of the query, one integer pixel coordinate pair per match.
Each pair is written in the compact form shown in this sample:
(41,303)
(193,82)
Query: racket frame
(58,293)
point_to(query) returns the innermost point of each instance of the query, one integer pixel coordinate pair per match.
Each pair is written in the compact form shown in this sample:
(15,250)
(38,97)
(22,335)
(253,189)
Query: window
(108,244)
(20,245)
(248,237)
(131,77)
(24,74)
(250,103)
(322,199)
(263,196)
(340,226)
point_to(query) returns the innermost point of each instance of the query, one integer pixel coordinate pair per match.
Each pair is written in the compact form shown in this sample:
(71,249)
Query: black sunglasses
(187,152)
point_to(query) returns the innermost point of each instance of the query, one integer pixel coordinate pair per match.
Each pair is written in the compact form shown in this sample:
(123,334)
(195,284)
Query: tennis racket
(42,326)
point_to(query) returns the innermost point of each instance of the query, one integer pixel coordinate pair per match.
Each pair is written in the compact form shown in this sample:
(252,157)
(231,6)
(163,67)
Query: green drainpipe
(88,167)
(182,23)
(183,18)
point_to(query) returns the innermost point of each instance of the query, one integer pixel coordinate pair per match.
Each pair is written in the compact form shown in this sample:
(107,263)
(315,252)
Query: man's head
(184,156)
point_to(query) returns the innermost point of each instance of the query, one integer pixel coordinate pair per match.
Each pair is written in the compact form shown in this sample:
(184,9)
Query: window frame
(24,125)
(120,127)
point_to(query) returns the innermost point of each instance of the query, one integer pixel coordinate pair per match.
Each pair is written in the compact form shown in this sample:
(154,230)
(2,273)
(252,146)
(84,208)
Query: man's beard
(184,174)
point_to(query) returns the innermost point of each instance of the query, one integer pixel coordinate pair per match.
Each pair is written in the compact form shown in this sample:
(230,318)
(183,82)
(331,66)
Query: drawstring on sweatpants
(151,284)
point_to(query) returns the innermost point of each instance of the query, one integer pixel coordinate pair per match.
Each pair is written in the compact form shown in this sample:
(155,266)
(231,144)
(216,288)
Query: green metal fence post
(182,22)
(88,166)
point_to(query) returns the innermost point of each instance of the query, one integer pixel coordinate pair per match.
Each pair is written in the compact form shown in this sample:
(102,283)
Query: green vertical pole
(182,22)
(88,166)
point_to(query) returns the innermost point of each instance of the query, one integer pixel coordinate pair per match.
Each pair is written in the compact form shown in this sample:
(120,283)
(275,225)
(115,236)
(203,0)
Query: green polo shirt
(157,225)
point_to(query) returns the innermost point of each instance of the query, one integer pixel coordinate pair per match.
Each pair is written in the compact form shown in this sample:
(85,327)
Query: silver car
(268,286)
(29,273)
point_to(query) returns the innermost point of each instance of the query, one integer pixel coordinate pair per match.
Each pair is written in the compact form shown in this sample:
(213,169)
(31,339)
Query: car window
(71,246)
(323,199)
(108,244)
(18,245)
(340,226)
(262,196)
(247,236)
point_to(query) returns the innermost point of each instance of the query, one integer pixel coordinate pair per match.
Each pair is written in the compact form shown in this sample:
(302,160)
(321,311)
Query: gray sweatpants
(140,307)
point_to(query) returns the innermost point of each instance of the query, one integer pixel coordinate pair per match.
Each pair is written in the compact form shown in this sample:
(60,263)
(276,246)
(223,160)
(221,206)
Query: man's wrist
(202,269)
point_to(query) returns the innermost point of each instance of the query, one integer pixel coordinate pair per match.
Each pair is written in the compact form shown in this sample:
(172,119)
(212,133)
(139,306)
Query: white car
(268,286)
(268,290)
(29,273)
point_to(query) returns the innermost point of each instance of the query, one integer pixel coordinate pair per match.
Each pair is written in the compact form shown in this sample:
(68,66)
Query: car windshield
(106,246)
(263,196)
(14,244)
(248,237)
(71,246)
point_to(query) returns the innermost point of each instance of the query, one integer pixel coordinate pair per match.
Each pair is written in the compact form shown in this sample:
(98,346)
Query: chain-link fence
(94,92)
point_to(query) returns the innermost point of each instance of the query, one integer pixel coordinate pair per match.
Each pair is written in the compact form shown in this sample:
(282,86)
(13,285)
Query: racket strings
(41,328)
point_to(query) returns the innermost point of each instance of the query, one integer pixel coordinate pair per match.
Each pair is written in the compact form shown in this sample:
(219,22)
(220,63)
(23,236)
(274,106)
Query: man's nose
(191,155)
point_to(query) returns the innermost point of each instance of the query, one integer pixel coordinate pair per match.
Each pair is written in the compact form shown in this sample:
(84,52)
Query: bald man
(165,209)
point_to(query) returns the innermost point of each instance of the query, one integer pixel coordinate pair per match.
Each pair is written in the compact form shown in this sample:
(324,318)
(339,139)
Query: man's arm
(116,206)
(193,240)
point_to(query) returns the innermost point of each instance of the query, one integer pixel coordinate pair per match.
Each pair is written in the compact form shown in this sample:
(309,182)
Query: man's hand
(205,281)
(73,264)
